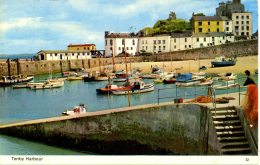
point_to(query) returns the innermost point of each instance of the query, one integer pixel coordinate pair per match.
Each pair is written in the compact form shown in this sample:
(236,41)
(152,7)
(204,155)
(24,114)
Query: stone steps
(230,132)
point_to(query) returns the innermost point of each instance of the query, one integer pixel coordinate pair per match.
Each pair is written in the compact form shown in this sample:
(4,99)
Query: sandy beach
(243,63)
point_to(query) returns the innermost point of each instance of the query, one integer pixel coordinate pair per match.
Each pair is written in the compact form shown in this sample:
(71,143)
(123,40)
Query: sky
(28,26)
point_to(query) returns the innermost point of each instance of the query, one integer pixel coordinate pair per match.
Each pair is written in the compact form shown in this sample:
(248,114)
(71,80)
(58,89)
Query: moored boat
(110,87)
(11,80)
(205,82)
(187,79)
(220,61)
(138,87)
(77,110)
(228,84)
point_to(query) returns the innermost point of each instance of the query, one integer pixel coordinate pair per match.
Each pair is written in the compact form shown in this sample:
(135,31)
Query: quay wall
(168,129)
(30,67)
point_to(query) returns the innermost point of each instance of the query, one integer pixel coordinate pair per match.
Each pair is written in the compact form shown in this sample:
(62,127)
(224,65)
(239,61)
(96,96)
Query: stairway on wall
(230,132)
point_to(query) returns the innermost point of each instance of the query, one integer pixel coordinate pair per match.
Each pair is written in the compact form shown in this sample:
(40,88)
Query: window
(227,28)
(143,42)
(201,45)
(55,54)
(163,47)
(66,54)
(83,54)
(110,48)
(126,48)
(123,41)
(119,48)
(154,47)
(217,29)
(247,22)
(212,38)
(189,46)
(174,40)
(247,33)
(142,47)
(247,17)
(237,22)
(123,49)
(185,39)
(87,53)
(185,46)
(159,41)
(227,23)
(77,48)
(84,48)
(242,27)
(208,30)
(242,33)
(205,39)
(131,48)
(198,40)
(217,23)
(174,46)
(223,37)
(247,28)
(154,41)
(200,30)
(237,17)
(242,17)
(159,47)
(146,48)
(72,54)
(200,23)
(133,42)
(208,23)
(242,22)
(163,41)
(88,48)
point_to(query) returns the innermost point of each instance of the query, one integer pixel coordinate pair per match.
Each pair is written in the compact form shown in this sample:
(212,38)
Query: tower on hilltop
(172,15)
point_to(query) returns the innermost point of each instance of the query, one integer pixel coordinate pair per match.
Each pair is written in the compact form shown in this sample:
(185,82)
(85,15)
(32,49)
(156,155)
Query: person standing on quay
(249,80)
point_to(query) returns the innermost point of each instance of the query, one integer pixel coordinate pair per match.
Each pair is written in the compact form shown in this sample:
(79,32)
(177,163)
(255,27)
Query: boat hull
(188,83)
(18,81)
(223,63)
(133,91)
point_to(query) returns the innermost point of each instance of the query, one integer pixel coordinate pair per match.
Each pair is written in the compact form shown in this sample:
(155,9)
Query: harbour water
(23,104)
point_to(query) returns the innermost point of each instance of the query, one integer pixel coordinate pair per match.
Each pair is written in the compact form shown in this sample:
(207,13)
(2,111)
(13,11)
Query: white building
(63,54)
(242,24)
(227,25)
(181,41)
(155,44)
(115,42)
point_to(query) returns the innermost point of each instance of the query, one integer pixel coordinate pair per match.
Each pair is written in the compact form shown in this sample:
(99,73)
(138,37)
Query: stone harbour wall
(230,50)
(181,129)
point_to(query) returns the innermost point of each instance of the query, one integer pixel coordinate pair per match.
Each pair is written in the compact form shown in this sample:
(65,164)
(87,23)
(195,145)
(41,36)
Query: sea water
(24,104)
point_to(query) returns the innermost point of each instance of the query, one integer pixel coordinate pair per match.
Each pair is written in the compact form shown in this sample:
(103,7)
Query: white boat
(205,82)
(187,79)
(77,110)
(11,80)
(121,76)
(229,76)
(138,87)
(47,84)
(199,74)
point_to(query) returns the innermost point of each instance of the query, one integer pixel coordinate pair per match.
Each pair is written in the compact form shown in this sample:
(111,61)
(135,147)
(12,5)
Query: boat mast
(127,75)
(99,63)
(114,68)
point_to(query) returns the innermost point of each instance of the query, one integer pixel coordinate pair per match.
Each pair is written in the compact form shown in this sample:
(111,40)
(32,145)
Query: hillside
(167,26)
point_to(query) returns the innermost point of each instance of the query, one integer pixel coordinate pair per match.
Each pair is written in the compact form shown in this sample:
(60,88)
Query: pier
(164,129)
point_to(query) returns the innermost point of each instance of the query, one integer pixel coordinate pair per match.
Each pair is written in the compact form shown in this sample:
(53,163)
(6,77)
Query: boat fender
(74,110)
(78,110)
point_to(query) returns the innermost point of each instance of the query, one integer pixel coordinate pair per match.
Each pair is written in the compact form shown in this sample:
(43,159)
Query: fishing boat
(110,87)
(121,76)
(169,80)
(220,61)
(187,79)
(11,80)
(75,78)
(229,76)
(205,82)
(138,87)
(199,74)
(81,108)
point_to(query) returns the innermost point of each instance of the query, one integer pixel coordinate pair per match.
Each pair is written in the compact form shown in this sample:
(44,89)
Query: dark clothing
(249,80)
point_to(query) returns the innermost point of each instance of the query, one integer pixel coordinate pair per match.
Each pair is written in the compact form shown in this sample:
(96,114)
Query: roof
(63,51)
(81,45)
(200,35)
(225,18)
(217,34)
(181,35)
(207,18)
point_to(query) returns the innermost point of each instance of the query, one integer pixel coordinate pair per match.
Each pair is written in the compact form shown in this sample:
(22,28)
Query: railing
(195,86)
